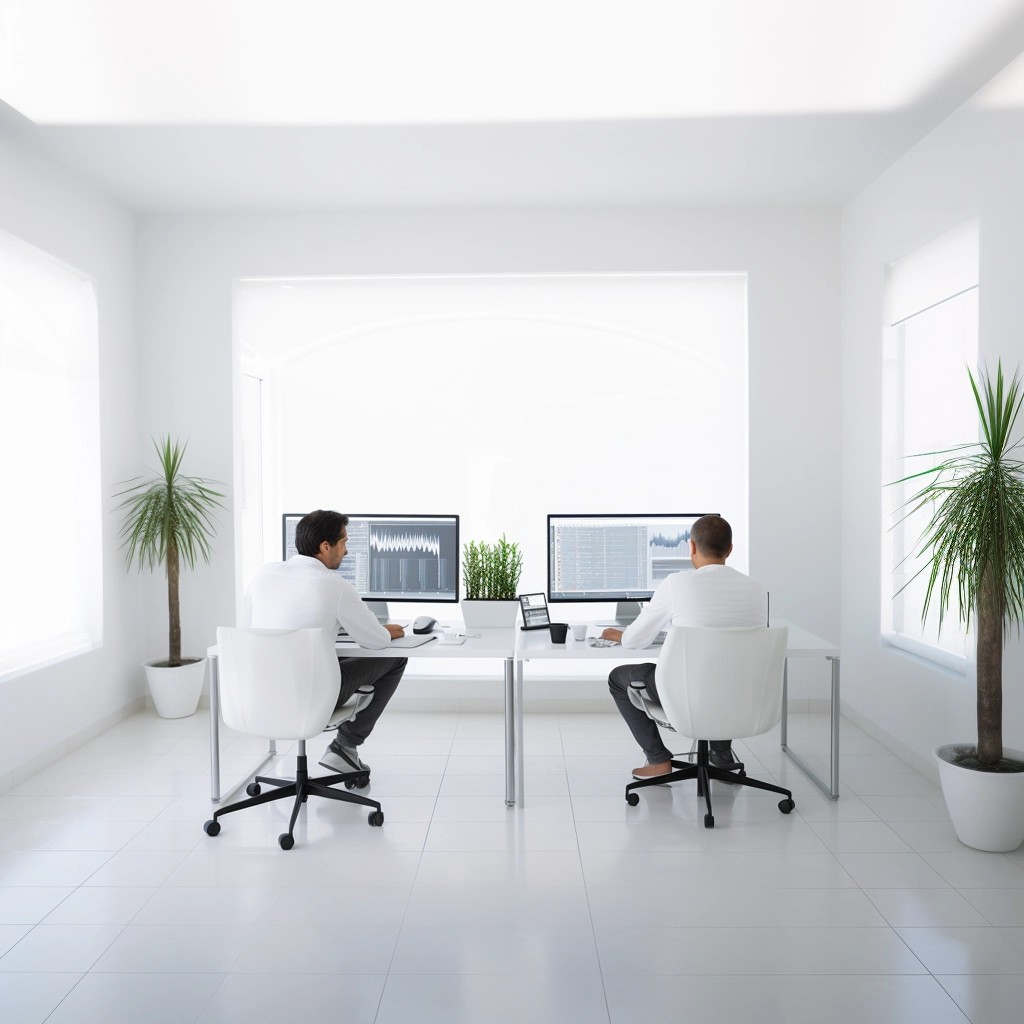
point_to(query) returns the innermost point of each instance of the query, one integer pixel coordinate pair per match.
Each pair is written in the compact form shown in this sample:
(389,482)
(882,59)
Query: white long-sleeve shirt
(714,595)
(303,592)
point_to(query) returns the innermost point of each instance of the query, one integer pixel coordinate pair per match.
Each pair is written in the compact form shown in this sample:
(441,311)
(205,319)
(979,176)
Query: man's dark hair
(712,535)
(319,526)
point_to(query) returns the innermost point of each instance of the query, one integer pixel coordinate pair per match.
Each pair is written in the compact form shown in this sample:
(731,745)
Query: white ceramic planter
(489,614)
(175,691)
(987,808)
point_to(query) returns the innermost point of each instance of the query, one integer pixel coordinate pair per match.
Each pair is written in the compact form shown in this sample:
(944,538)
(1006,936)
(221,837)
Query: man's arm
(396,631)
(360,623)
(654,616)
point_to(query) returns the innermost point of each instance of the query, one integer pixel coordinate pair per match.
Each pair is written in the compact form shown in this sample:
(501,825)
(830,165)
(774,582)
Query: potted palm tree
(167,520)
(974,543)
(490,574)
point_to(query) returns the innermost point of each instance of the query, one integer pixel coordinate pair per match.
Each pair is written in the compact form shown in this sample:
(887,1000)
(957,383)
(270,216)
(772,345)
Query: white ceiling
(256,104)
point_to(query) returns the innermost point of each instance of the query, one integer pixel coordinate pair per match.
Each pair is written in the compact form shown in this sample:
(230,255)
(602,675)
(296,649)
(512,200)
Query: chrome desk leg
(520,758)
(831,790)
(785,703)
(214,732)
(834,753)
(510,735)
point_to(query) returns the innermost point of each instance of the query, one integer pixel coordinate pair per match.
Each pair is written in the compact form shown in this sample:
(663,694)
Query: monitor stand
(626,612)
(379,609)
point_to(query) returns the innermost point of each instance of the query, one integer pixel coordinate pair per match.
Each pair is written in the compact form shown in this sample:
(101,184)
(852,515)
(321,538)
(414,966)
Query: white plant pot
(176,691)
(987,808)
(489,614)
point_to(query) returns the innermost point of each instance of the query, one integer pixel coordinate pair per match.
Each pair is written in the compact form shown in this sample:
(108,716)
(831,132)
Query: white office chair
(715,684)
(283,684)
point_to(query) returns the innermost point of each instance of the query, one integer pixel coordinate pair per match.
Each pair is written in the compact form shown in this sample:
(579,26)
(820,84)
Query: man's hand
(612,634)
(396,631)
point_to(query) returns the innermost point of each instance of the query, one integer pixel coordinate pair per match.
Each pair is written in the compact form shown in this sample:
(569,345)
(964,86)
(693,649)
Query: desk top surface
(481,643)
(536,644)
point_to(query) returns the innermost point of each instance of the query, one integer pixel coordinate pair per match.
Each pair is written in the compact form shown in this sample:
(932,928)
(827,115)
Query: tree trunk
(173,610)
(990,672)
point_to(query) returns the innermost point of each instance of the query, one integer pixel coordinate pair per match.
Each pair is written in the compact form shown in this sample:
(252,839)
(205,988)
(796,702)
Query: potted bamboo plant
(490,574)
(974,542)
(167,520)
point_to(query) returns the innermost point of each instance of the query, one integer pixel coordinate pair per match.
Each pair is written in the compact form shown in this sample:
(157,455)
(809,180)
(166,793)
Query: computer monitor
(395,558)
(614,557)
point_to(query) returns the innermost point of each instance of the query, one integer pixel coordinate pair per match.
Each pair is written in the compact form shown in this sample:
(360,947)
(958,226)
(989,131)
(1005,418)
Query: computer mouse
(424,624)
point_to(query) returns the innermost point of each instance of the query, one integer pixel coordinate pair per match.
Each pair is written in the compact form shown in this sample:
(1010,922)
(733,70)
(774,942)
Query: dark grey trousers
(384,674)
(644,731)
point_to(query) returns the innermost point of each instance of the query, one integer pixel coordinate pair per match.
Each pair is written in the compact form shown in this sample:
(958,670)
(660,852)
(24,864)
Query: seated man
(714,595)
(304,592)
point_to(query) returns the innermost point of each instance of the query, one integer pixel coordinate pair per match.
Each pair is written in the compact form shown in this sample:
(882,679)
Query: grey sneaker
(342,760)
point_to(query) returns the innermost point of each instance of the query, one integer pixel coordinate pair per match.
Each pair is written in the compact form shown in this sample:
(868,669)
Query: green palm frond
(168,518)
(168,512)
(976,495)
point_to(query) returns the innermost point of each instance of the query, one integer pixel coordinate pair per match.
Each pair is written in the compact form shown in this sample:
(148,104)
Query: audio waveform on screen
(672,542)
(405,543)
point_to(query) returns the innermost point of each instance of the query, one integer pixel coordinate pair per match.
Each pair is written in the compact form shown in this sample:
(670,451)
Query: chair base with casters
(301,788)
(704,771)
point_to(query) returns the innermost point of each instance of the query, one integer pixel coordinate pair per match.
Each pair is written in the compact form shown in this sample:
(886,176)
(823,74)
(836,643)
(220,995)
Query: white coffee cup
(579,631)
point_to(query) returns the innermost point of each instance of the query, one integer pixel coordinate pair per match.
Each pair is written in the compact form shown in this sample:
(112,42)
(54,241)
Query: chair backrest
(277,683)
(719,684)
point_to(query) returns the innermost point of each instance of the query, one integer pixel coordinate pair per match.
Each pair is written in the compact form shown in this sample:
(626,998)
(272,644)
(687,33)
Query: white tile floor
(114,906)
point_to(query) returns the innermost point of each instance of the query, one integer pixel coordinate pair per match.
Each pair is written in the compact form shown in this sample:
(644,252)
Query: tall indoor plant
(974,542)
(167,519)
(490,577)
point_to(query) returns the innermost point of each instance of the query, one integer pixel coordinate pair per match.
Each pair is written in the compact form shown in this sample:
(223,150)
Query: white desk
(491,643)
(514,647)
(536,645)
(802,644)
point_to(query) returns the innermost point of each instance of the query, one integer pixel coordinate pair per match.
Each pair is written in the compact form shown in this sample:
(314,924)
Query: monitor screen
(395,558)
(615,557)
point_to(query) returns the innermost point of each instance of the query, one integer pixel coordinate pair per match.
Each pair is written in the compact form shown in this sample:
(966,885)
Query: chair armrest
(362,696)
(640,698)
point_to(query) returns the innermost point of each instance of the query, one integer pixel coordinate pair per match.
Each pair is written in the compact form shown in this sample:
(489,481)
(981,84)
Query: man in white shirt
(714,595)
(305,591)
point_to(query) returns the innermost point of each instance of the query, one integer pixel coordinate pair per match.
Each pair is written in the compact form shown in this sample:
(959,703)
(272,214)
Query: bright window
(50,519)
(499,398)
(931,342)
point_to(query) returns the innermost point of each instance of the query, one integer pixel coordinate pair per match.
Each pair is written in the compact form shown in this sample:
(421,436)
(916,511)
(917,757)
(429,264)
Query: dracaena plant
(974,542)
(167,519)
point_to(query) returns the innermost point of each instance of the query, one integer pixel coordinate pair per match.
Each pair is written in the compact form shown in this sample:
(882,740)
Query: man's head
(710,541)
(322,535)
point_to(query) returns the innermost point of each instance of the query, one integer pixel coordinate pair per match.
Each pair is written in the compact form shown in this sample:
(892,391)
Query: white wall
(187,265)
(50,709)
(970,166)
